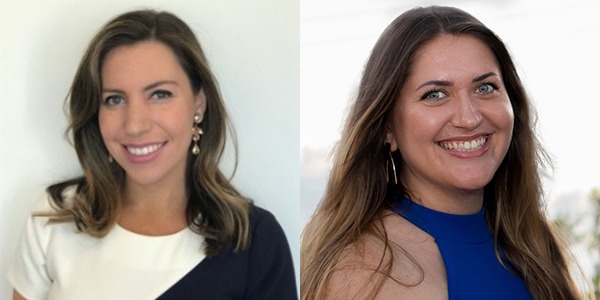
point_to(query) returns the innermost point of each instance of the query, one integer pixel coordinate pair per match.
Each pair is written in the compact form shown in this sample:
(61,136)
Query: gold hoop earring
(196,133)
(387,176)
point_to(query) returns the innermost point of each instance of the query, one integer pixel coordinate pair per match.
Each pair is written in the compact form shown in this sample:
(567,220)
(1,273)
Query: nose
(467,115)
(137,117)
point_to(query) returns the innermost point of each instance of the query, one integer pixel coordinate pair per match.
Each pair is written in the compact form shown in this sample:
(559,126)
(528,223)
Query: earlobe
(391,139)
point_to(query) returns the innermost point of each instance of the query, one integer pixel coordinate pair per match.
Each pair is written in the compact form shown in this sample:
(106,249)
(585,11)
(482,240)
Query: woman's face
(147,110)
(453,121)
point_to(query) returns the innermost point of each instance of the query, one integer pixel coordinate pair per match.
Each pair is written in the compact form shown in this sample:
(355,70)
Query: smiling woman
(152,216)
(452,124)
(435,190)
(148,106)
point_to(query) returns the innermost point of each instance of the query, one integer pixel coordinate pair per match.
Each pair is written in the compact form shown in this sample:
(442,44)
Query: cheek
(418,125)
(107,125)
(179,125)
(102,124)
(183,129)
(503,117)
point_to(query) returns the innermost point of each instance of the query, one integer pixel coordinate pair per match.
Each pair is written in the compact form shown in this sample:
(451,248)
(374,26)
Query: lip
(467,154)
(144,158)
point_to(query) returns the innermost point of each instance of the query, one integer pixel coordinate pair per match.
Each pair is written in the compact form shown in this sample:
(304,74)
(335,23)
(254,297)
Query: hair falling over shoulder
(94,204)
(356,190)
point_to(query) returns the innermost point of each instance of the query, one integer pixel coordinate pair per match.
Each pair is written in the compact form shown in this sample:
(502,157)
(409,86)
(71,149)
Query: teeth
(144,150)
(465,145)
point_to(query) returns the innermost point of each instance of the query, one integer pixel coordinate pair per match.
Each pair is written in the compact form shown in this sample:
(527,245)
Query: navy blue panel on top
(467,248)
(263,271)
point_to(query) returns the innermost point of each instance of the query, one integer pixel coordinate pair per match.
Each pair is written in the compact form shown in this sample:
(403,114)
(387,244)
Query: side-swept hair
(356,191)
(215,208)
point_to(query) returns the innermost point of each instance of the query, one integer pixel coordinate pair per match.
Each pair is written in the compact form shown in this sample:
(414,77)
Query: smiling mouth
(465,146)
(141,151)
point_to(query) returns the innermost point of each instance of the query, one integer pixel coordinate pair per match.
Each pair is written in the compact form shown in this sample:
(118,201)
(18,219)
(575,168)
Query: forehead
(141,61)
(453,57)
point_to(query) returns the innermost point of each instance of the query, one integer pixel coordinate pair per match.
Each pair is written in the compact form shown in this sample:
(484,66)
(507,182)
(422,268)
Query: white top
(57,262)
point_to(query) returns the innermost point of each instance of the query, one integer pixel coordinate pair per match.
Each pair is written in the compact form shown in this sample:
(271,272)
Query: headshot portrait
(441,172)
(155,150)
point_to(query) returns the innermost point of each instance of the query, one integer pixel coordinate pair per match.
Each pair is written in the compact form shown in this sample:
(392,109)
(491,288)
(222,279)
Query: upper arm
(271,270)
(28,272)
(352,283)
(361,282)
(372,268)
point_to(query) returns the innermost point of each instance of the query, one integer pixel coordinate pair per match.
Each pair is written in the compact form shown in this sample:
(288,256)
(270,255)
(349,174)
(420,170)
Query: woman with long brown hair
(152,216)
(435,190)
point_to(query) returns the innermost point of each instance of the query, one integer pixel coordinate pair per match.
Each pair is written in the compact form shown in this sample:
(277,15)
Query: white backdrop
(253,46)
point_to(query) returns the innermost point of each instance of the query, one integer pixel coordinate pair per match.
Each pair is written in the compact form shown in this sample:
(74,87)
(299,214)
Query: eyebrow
(147,88)
(484,76)
(448,83)
(435,82)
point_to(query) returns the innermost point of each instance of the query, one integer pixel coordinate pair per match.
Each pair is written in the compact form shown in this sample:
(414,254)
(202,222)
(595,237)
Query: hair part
(215,208)
(356,192)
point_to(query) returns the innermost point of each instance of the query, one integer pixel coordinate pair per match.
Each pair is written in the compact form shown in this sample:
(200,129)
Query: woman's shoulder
(41,222)
(395,258)
(258,213)
(42,243)
(268,242)
(389,231)
(264,225)
(271,270)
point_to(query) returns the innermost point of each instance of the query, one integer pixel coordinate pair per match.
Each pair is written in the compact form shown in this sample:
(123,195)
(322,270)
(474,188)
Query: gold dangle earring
(196,133)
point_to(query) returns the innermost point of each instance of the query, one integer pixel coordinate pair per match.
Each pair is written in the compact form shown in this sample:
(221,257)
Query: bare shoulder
(394,260)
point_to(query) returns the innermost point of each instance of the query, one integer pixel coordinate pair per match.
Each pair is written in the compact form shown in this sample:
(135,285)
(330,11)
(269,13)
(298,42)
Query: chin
(143,180)
(473,184)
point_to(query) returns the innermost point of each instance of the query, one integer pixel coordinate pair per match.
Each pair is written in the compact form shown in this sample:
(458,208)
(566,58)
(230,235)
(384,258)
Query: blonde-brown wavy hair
(95,205)
(356,191)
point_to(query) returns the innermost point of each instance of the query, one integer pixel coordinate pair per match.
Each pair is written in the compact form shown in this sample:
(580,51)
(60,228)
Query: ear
(200,103)
(390,137)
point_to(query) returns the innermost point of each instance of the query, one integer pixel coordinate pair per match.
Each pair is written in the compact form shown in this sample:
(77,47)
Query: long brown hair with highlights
(356,191)
(215,208)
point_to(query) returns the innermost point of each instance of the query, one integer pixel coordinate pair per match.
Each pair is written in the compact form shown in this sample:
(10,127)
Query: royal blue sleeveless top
(467,248)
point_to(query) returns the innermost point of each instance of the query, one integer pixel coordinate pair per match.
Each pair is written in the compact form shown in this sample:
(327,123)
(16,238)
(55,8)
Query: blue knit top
(467,248)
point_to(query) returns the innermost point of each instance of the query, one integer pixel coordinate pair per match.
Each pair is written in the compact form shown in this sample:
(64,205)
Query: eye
(113,100)
(486,88)
(433,95)
(162,94)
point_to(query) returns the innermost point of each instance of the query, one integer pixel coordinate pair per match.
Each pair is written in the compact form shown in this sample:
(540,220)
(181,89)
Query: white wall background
(253,46)
(555,44)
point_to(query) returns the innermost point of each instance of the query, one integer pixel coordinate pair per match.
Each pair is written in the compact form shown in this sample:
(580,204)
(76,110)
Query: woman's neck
(447,200)
(154,210)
